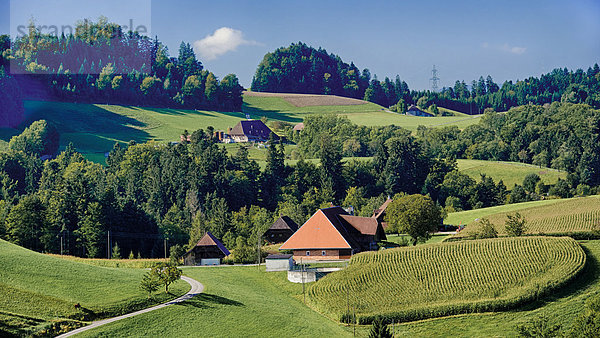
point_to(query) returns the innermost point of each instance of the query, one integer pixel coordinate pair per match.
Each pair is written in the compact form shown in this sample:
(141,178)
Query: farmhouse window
(308,253)
(323,253)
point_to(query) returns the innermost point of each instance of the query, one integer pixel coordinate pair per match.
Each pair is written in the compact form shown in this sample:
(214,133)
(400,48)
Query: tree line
(99,63)
(300,68)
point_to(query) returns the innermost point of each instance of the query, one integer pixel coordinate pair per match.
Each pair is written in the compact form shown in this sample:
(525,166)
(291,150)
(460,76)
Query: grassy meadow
(38,290)
(510,173)
(414,283)
(237,302)
(566,217)
(94,128)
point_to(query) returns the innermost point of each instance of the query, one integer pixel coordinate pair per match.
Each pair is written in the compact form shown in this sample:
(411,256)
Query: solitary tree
(415,215)
(486,229)
(166,273)
(149,283)
(516,225)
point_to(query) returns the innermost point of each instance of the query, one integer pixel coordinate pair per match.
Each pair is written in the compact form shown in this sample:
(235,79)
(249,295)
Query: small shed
(279,262)
(283,228)
(208,251)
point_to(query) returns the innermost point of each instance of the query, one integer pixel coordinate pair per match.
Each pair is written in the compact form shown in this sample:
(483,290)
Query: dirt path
(197,288)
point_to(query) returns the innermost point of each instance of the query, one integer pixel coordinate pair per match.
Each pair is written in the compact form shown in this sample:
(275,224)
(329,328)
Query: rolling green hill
(94,128)
(237,302)
(435,280)
(37,290)
(565,217)
(509,172)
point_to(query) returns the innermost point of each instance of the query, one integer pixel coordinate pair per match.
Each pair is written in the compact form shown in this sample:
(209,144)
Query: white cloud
(505,48)
(222,41)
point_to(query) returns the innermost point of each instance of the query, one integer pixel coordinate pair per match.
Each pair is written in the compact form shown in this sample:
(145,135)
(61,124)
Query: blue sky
(466,39)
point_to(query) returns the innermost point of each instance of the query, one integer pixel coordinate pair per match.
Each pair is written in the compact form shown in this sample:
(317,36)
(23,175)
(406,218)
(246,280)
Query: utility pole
(258,236)
(61,244)
(165,245)
(302,274)
(434,80)
(108,245)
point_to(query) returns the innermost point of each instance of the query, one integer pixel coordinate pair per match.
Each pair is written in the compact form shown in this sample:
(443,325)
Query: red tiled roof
(322,231)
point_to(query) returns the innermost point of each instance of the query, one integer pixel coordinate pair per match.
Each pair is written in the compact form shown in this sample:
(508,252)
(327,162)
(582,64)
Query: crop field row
(434,280)
(572,216)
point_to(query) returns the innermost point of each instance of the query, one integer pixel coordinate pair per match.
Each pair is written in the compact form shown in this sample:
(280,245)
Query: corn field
(571,217)
(442,279)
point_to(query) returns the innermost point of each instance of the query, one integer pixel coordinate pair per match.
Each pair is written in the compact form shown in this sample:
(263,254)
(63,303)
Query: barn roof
(364,225)
(210,240)
(253,128)
(284,223)
(378,212)
(299,126)
(324,230)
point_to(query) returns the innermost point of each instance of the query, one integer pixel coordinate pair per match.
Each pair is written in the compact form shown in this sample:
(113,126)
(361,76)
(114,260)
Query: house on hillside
(332,233)
(251,131)
(415,111)
(283,228)
(208,251)
(299,127)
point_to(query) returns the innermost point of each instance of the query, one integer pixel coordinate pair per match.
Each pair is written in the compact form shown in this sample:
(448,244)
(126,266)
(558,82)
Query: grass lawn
(45,288)
(383,118)
(509,172)
(237,302)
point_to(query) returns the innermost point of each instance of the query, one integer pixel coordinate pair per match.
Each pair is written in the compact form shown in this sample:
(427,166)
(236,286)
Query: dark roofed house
(251,131)
(208,251)
(283,228)
(415,111)
(332,233)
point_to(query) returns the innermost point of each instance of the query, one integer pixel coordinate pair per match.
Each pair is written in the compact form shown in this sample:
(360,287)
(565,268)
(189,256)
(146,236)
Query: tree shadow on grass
(207,300)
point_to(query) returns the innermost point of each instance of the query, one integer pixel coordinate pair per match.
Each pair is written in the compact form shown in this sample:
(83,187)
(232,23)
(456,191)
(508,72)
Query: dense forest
(150,193)
(303,69)
(100,63)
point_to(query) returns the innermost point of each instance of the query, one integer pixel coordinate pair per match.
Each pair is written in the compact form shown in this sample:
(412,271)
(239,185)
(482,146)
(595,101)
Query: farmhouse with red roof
(332,233)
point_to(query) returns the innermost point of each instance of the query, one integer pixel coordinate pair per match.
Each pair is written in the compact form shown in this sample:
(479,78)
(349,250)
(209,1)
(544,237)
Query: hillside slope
(578,217)
(37,289)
